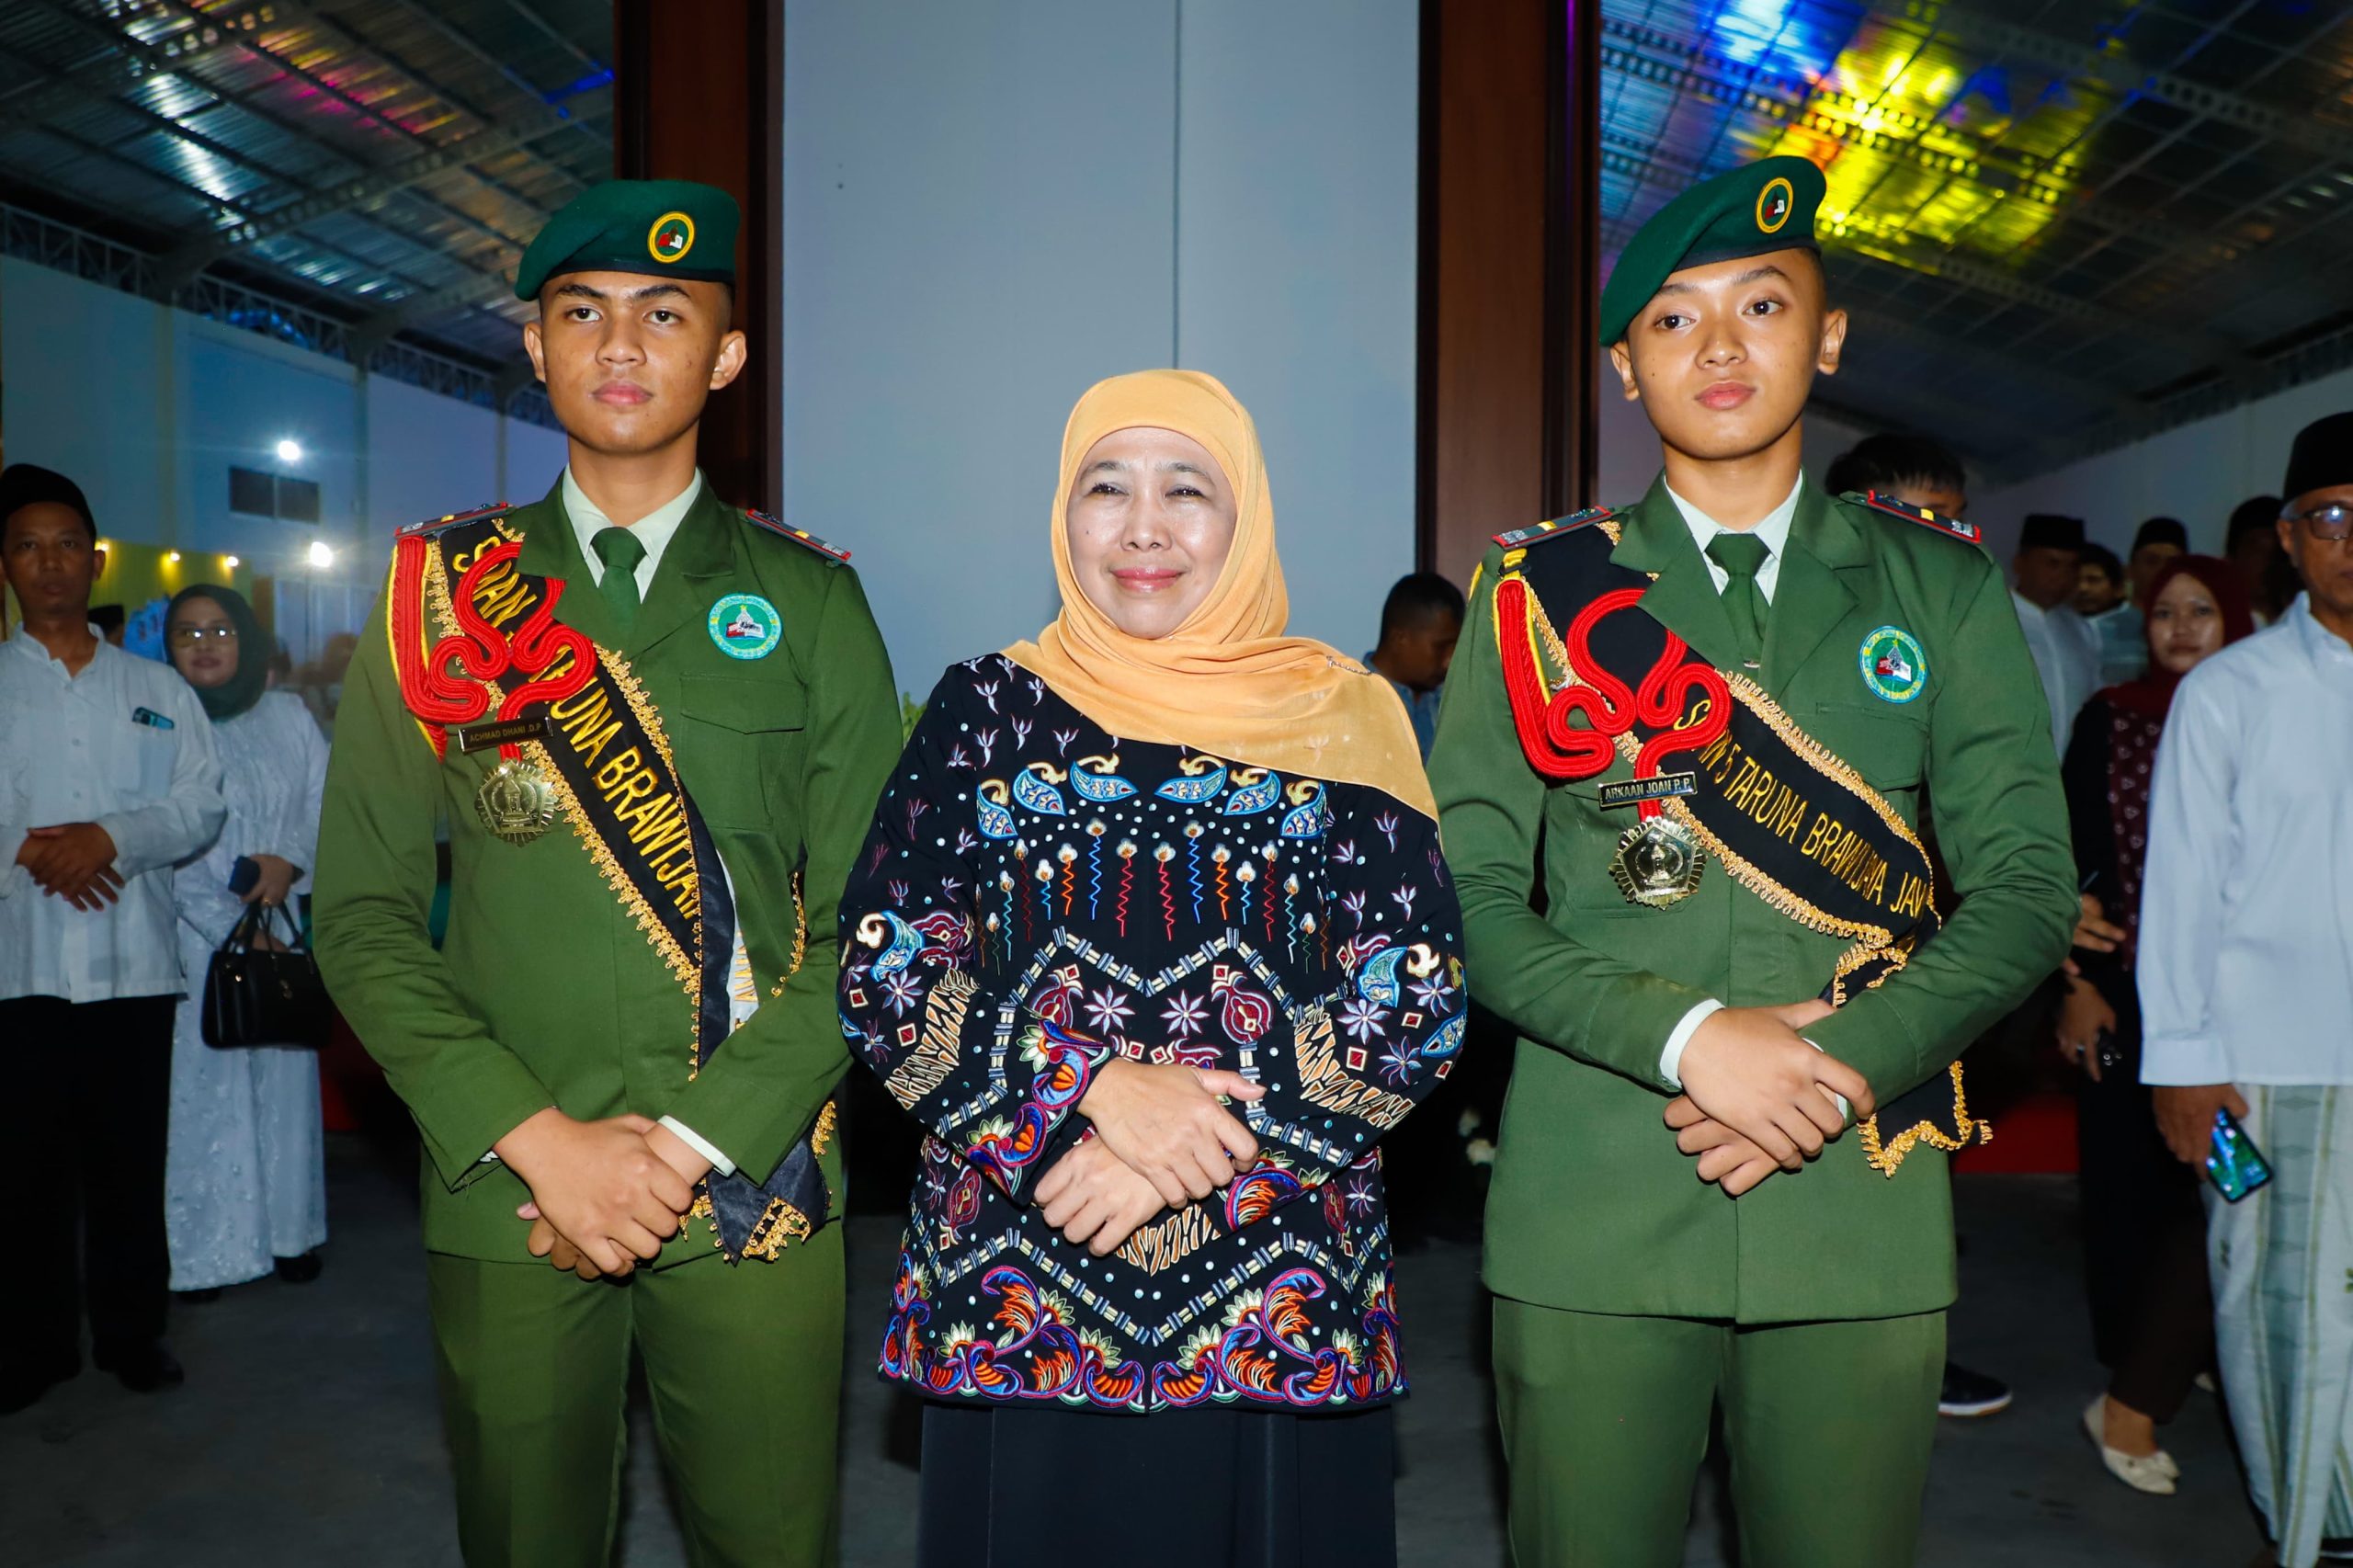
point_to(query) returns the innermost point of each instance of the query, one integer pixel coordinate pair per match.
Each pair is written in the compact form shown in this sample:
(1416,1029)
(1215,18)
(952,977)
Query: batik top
(1036,895)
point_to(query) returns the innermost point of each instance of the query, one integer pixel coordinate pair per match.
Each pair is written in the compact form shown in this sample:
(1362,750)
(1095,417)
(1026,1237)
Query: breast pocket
(1582,834)
(158,751)
(739,748)
(1884,742)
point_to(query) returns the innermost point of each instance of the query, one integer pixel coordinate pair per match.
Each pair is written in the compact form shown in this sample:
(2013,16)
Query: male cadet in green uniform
(656,727)
(1704,722)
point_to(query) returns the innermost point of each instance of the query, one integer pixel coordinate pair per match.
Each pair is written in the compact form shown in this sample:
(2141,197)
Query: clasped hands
(2084,1014)
(605,1194)
(1756,1096)
(1162,1141)
(73,860)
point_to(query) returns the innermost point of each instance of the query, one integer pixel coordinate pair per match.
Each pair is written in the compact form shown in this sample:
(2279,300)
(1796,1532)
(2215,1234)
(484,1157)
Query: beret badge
(672,236)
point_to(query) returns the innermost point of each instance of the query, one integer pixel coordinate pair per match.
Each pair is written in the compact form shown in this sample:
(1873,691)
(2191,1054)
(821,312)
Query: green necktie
(1742,556)
(620,551)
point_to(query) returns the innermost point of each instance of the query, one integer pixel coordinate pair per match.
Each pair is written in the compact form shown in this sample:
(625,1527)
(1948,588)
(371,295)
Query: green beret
(1768,206)
(664,228)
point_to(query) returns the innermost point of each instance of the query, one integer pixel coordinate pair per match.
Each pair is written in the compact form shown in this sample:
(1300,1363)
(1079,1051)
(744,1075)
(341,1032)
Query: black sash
(575,711)
(1786,818)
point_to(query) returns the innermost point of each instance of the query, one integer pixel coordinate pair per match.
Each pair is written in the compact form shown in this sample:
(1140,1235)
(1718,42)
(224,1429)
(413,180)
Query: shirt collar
(654,530)
(1773,527)
(36,651)
(2321,645)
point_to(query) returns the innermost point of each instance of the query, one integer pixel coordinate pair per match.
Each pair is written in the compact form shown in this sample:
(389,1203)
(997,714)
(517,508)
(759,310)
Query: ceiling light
(322,553)
(230,562)
(173,556)
(290,451)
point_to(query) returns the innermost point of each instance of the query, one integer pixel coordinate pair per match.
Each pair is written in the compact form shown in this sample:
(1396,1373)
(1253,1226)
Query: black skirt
(1013,1486)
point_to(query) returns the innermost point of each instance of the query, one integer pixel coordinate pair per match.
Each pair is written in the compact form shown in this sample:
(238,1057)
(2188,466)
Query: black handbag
(264,995)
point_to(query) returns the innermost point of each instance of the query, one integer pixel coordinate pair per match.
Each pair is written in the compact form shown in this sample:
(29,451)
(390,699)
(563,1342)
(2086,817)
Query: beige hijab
(1227,681)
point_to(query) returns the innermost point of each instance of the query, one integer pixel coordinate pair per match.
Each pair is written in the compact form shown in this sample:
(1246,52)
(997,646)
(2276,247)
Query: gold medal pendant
(1658,862)
(516,802)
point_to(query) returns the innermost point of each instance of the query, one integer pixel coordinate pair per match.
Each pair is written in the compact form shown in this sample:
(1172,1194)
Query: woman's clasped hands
(1162,1137)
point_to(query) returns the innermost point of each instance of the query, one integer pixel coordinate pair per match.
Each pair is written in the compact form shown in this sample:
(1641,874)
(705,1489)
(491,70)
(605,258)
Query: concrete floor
(307,1434)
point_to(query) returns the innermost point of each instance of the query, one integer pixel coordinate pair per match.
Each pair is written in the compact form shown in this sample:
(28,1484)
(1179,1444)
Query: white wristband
(688,1136)
(1670,1060)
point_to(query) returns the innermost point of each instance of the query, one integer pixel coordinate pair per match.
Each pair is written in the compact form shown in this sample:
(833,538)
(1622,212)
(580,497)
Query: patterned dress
(245,1168)
(1036,896)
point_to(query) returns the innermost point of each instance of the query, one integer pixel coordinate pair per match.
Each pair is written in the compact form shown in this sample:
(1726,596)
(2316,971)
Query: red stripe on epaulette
(1554,528)
(435,525)
(1951,528)
(798,536)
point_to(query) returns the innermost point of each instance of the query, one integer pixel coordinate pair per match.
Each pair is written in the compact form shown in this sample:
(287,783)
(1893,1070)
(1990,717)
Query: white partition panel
(1298,148)
(988,207)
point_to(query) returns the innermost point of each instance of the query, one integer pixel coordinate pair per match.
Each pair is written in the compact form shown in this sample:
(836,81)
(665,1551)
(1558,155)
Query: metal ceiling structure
(357,177)
(2058,225)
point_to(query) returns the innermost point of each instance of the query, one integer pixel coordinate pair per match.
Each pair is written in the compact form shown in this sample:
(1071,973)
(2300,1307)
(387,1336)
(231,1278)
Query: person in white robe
(2246,988)
(244,1172)
(2065,646)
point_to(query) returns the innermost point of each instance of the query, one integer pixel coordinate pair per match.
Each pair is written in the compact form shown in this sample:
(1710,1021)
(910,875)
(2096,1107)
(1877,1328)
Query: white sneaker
(2153,1474)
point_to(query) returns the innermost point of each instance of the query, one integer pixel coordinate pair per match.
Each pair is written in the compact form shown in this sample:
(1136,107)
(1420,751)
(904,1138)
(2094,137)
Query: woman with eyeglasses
(246,1179)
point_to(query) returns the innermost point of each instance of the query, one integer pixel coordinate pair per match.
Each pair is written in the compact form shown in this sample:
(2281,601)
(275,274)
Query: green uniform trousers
(1605,1424)
(744,1364)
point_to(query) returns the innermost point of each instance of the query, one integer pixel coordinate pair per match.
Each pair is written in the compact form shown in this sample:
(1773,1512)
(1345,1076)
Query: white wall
(147,408)
(2197,472)
(82,362)
(989,207)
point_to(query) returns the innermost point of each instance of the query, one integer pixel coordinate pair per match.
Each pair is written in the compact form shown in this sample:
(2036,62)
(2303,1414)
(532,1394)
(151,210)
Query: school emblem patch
(1893,664)
(1774,204)
(672,236)
(746,626)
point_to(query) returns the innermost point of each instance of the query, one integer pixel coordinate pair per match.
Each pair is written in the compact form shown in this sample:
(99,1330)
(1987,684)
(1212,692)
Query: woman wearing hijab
(2144,1228)
(246,1177)
(1154,935)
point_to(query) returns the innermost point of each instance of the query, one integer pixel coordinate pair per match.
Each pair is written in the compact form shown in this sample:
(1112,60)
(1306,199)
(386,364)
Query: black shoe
(22,1387)
(203,1297)
(144,1369)
(1968,1393)
(300,1270)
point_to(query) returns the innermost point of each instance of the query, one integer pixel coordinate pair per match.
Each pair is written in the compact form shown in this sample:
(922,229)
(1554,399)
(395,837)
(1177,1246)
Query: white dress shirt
(2246,960)
(2066,654)
(1774,529)
(74,748)
(655,531)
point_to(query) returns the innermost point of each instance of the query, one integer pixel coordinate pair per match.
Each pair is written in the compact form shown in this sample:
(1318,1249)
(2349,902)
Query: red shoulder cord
(448,683)
(1556,744)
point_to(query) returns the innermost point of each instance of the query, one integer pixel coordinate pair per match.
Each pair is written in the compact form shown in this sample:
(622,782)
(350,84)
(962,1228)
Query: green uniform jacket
(1592,1208)
(545,992)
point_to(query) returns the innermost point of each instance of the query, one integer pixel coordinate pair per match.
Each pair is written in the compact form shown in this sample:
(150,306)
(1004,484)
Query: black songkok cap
(2322,457)
(2161,530)
(2047,531)
(29,485)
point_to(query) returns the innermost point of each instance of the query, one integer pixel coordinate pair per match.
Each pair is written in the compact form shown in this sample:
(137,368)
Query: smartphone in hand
(244,875)
(2237,1166)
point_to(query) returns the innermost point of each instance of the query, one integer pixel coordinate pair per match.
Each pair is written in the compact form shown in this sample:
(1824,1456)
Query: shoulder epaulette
(1552,529)
(798,536)
(435,525)
(1951,528)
